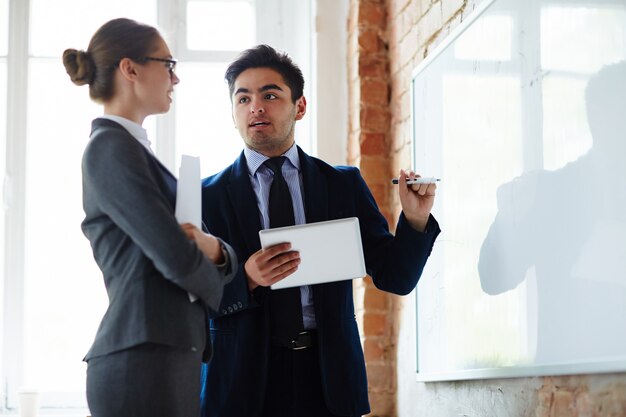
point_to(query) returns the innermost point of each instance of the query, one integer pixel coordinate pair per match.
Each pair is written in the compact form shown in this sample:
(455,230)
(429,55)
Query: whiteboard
(522,114)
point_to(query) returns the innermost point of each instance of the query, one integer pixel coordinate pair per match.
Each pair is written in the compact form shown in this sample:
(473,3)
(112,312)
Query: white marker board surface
(522,114)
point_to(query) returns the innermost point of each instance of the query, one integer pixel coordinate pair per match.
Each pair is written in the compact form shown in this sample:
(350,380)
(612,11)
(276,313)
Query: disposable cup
(29,402)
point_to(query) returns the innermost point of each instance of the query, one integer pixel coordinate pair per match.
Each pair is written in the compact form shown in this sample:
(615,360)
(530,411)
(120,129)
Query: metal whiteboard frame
(608,365)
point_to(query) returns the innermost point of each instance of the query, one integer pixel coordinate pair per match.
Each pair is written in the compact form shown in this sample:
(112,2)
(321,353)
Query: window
(215,33)
(220,25)
(53,274)
(203,94)
(4,36)
(4,31)
(4,24)
(52,293)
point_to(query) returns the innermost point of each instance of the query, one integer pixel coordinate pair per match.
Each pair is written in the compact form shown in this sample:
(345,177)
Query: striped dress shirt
(261,179)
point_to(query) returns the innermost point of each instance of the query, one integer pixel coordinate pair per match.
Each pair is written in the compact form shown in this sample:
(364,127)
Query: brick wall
(369,146)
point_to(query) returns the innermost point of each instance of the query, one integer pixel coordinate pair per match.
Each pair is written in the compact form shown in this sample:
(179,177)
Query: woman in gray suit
(145,360)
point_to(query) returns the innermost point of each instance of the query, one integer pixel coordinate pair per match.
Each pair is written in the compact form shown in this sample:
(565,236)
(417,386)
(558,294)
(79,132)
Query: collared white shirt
(135,129)
(261,178)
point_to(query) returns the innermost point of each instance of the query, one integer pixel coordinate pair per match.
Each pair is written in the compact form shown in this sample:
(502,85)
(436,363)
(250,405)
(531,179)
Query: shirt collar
(133,128)
(255,159)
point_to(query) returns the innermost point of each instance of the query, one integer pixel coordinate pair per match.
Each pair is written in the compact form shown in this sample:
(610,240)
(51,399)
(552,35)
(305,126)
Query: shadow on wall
(569,225)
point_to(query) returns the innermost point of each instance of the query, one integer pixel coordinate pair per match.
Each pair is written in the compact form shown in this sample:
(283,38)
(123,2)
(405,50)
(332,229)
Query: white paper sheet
(188,195)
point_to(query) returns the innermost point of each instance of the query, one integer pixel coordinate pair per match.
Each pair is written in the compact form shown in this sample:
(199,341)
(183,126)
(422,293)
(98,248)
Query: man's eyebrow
(270,87)
(267,87)
(241,90)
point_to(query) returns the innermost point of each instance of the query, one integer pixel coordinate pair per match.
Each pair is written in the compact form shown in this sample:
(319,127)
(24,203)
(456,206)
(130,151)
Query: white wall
(331,95)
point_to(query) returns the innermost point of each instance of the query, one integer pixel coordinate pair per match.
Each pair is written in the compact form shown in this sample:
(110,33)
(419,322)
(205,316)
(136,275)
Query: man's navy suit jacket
(234,381)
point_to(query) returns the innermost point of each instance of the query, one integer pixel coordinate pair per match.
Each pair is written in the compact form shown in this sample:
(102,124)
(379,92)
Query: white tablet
(329,251)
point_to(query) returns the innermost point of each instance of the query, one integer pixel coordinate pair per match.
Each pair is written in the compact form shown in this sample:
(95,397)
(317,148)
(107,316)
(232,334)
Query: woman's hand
(208,244)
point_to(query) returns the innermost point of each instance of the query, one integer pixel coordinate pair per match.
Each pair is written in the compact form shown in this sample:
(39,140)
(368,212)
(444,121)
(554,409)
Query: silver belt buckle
(294,342)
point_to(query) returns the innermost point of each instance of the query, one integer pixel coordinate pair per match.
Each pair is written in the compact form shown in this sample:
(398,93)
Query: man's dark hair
(264,56)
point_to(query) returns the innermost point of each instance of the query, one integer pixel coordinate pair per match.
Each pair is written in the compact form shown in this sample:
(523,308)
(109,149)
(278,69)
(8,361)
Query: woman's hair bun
(79,66)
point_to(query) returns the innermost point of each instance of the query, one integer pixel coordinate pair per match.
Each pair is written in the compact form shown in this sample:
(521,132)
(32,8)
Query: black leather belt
(302,341)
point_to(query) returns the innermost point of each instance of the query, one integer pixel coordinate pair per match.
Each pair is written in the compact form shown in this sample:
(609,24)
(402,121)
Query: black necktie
(285,304)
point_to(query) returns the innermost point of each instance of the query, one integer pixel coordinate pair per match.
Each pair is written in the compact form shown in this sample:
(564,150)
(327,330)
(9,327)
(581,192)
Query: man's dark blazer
(234,381)
(147,262)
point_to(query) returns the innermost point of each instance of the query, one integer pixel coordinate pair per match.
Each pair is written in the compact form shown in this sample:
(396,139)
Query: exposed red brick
(374,144)
(374,169)
(374,324)
(370,118)
(380,376)
(382,402)
(372,14)
(375,91)
(374,350)
(374,119)
(369,41)
(372,66)
(376,300)
(378,59)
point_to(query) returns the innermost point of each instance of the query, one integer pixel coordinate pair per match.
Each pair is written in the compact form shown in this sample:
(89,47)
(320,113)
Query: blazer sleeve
(395,263)
(118,178)
(237,296)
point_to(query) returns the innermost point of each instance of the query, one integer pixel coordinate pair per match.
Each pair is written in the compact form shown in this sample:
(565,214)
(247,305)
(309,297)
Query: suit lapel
(244,201)
(315,190)
(316,209)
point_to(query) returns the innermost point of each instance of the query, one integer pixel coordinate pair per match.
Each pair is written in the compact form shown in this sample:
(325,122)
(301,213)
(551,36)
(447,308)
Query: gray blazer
(148,263)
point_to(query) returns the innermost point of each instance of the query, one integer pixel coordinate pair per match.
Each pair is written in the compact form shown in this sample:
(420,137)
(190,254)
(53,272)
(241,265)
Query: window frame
(14,198)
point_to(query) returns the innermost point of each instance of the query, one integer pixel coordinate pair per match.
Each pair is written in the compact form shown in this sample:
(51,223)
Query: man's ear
(300,108)
(128,69)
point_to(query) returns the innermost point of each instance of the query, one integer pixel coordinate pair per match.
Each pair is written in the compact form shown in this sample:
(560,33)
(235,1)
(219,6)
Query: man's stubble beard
(265,143)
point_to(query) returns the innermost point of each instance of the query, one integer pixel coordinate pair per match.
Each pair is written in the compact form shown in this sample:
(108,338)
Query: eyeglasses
(170,64)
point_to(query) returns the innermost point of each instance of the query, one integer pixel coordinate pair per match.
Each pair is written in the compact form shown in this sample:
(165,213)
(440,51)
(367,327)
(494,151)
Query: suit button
(235,307)
(194,349)
(223,311)
(230,309)
(239,304)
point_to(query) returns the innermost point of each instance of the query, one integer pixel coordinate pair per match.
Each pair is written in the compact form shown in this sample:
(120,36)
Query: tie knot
(275,164)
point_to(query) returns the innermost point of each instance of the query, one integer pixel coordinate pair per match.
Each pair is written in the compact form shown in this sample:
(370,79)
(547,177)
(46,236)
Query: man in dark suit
(295,352)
